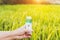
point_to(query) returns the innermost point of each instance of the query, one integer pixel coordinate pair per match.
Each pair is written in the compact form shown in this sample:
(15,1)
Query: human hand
(19,33)
(23,31)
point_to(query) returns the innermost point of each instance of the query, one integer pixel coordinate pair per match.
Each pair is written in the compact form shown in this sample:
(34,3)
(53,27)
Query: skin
(19,33)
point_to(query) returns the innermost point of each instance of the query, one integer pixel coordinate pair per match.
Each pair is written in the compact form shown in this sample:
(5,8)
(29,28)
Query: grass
(46,20)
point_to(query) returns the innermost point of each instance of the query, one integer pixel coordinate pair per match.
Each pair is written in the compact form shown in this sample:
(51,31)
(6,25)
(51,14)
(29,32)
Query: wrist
(5,34)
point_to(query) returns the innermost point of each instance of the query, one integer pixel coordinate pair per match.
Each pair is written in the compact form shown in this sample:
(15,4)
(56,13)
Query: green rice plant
(45,20)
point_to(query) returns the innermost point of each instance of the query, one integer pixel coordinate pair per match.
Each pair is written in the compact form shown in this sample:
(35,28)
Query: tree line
(11,1)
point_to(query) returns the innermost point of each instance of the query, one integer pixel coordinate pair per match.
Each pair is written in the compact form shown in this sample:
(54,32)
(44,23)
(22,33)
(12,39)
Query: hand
(23,32)
(16,37)
(19,33)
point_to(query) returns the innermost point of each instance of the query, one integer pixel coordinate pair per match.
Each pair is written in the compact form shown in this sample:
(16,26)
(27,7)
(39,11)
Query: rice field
(45,20)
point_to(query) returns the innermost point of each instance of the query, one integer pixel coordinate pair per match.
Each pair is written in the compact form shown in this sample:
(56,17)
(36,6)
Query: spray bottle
(28,24)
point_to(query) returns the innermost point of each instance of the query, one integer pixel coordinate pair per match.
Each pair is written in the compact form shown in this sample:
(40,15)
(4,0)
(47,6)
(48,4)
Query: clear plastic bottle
(28,24)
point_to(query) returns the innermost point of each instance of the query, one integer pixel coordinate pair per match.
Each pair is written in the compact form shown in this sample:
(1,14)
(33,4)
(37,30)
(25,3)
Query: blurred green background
(45,19)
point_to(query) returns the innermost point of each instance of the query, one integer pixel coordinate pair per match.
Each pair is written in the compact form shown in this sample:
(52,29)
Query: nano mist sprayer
(28,24)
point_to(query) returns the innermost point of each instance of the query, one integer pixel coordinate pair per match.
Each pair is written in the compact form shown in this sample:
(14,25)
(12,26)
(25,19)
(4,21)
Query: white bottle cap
(28,17)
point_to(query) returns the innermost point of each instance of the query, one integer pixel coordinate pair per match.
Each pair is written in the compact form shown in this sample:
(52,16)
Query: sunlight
(41,1)
(37,1)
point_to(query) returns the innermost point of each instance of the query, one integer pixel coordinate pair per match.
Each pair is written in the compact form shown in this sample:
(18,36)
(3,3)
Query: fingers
(16,37)
(28,33)
(21,37)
